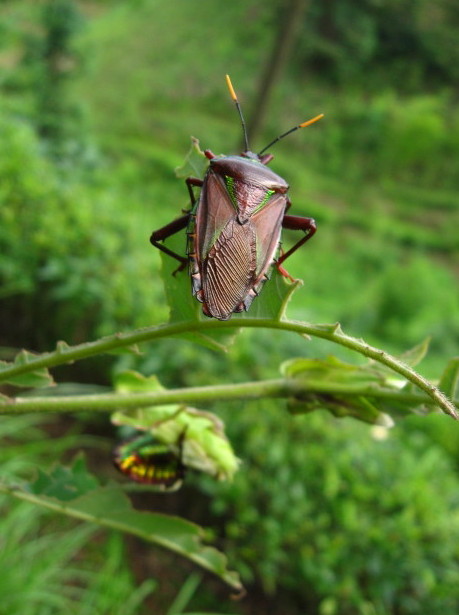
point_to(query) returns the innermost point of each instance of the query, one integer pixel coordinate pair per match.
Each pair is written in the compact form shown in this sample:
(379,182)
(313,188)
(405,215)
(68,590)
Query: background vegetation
(98,102)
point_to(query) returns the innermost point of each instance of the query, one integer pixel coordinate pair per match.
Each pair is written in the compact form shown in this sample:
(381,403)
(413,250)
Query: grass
(51,565)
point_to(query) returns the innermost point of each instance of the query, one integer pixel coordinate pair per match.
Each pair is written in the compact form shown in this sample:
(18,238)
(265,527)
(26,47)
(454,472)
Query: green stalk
(67,354)
(278,388)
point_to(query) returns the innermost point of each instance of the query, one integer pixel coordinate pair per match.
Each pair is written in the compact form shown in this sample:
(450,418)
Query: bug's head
(264,159)
(261,156)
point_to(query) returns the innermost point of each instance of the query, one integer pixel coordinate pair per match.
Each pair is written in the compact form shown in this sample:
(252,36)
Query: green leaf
(195,162)
(79,495)
(65,483)
(414,355)
(366,392)
(332,369)
(450,378)
(273,299)
(183,306)
(35,378)
(205,446)
(341,406)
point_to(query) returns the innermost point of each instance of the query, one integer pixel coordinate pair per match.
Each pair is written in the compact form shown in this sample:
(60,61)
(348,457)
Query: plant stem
(332,333)
(279,388)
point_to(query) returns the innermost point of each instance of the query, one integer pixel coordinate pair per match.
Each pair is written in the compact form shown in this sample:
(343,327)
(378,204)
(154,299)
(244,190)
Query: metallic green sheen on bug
(147,461)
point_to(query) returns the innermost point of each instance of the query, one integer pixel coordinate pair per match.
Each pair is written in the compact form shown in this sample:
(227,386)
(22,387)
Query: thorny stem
(67,354)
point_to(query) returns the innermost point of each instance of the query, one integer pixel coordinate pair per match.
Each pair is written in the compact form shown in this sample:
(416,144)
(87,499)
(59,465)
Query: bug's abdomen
(229,270)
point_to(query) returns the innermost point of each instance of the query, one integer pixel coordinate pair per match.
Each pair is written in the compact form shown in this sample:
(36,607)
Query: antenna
(239,110)
(303,125)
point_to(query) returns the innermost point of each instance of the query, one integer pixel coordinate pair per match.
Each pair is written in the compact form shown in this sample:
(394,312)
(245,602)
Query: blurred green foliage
(98,103)
(337,518)
(59,242)
(375,42)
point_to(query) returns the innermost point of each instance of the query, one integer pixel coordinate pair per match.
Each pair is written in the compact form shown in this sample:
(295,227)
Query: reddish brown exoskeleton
(234,227)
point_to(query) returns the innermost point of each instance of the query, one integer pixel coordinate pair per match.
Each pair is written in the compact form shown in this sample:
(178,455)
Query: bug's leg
(190,182)
(296,223)
(166,231)
(195,181)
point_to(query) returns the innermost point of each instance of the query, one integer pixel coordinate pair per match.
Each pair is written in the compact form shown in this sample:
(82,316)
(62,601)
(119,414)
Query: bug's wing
(214,210)
(228,272)
(226,249)
(267,224)
(233,257)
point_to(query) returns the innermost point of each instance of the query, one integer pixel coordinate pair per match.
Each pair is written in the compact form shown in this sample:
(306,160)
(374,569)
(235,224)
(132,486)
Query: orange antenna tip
(238,107)
(230,88)
(309,122)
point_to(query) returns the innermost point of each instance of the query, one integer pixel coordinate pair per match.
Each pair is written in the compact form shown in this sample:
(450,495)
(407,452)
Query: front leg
(190,182)
(166,231)
(295,223)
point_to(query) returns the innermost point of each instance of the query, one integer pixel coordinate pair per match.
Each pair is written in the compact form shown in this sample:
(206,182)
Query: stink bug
(234,227)
(144,460)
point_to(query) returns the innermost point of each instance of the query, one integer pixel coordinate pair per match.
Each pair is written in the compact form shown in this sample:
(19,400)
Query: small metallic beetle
(234,227)
(145,460)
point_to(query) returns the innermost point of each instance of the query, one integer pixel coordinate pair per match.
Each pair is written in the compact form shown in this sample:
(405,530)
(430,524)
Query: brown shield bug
(234,227)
